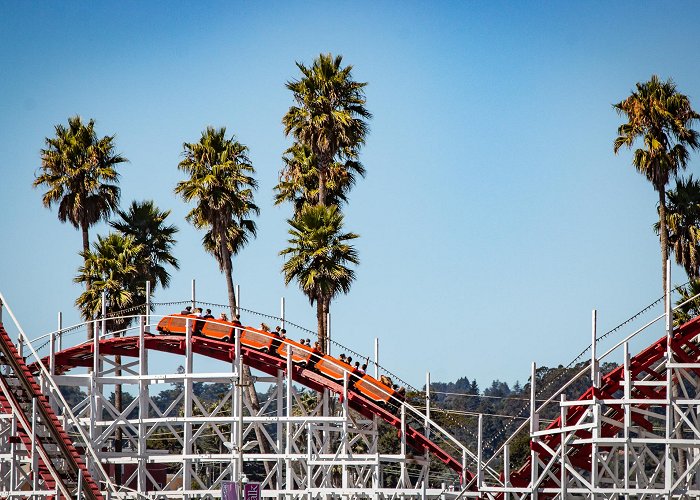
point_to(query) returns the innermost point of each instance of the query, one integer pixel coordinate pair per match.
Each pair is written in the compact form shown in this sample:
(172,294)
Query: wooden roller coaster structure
(635,433)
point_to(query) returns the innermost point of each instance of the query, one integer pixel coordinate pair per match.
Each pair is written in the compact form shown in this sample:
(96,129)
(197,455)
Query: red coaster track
(58,460)
(644,366)
(82,356)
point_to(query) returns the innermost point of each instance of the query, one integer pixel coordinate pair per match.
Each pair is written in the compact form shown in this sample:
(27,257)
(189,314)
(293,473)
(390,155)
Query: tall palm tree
(221,185)
(112,267)
(298,182)
(145,222)
(78,171)
(318,256)
(329,114)
(661,118)
(683,224)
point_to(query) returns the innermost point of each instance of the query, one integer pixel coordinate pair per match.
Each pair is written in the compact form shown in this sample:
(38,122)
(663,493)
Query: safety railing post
(60,331)
(148,307)
(194,294)
(238,300)
(52,354)
(594,360)
(282,312)
(376,358)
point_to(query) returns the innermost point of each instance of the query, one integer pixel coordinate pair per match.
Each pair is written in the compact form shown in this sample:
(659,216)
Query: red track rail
(22,396)
(81,355)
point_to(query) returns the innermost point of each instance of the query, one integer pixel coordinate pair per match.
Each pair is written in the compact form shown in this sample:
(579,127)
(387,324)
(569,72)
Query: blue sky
(494,215)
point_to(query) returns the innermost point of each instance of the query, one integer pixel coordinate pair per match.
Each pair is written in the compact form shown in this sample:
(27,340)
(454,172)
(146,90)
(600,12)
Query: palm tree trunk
(228,271)
(663,232)
(88,282)
(321,323)
(246,376)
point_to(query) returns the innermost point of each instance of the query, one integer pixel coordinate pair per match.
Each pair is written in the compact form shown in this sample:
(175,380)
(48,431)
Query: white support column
(142,478)
(35,458)
(562,455)
(187,431)
(628,413)
(670,415)
(427,423)
(479,453)
(346,417)
(596,406)
(280,428)
(237,437)
(595,431)
(404,472)
(534,426)
(289,480)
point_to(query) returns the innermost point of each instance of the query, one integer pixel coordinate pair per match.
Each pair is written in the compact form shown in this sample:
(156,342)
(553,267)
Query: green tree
(691,303)
(683,224)
(145,222)
(112,267)
(661,117)
(317,258)
(221,185)
(79,174)
(329,115)
(298,182)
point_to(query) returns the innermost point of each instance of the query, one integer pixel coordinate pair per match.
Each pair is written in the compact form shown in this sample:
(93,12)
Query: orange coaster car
(333,368)
(300,353)
(374,389)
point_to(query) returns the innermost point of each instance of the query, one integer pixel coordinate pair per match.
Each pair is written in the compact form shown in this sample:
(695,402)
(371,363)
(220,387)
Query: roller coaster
(305,424)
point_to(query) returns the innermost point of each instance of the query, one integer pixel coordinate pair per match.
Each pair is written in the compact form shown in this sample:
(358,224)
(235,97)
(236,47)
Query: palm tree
(145,222)
(298,182)
(221,185)
(78,170)
(661,117)
(683,224)
(317,258)
(329,115)
(112,267)
(692,308)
